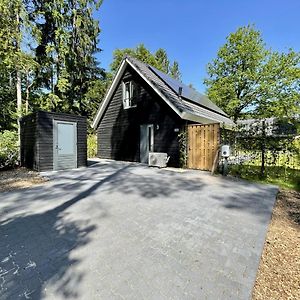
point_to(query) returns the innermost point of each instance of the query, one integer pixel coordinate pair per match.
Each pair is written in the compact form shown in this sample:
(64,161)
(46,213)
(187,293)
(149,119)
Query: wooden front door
(203,144)
(146,142)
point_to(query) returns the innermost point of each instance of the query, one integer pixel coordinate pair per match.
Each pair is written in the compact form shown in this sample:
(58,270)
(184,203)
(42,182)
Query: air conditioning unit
(158,159)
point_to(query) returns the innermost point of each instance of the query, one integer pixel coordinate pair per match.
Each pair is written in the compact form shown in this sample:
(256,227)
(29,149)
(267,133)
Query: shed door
(146,142)
(64,145)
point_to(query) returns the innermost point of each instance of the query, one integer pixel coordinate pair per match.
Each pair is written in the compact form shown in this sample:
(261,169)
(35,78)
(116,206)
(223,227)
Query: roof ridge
(192,105)
(202,101)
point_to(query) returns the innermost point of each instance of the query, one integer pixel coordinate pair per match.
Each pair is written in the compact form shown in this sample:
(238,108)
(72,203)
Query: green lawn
(279,175)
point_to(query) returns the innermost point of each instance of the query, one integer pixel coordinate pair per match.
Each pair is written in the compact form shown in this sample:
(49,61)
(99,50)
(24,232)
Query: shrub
(182,139)
(9,150)
(92,145)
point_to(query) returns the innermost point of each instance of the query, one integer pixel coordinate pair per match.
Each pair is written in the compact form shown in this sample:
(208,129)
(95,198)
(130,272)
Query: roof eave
(109,93)
(204,120)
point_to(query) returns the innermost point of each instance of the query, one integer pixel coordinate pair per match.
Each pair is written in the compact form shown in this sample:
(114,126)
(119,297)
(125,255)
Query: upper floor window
(128,94)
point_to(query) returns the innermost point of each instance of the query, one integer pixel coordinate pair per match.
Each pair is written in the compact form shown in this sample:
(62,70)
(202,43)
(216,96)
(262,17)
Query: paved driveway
(125,231)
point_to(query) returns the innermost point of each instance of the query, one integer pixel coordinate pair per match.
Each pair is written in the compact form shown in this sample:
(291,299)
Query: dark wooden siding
(29,155)
(37,139)
(119,129)
(45,138)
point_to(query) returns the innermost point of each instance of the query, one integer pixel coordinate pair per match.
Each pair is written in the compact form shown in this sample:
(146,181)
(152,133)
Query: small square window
(128,92)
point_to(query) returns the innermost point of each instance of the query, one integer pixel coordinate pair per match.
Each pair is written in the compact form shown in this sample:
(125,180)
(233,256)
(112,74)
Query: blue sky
(192,31)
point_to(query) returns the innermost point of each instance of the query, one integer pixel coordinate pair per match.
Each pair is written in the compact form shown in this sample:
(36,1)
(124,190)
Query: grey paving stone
(125,231)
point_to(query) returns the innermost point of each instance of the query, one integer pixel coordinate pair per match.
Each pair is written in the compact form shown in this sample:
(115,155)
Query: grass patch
(282,176)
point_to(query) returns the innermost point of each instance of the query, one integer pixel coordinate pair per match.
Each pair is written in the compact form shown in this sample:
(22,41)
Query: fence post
(263,149)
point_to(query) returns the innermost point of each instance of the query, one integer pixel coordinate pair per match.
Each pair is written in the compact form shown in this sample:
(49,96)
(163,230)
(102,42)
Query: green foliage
(280,91)
(234,74)
(93,97)
(51,102)
(158,59)
(50,46)
(92,145)
(274,159)
(8,149)
(14,61)
(246,78)
(8,112)
(174,71)
(10,33)
(278,175)
(259,148)
(162,60)
(66,47)
(183,152)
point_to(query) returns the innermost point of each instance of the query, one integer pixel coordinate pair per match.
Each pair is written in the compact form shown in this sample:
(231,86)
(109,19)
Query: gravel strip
(279,272)
(18,179)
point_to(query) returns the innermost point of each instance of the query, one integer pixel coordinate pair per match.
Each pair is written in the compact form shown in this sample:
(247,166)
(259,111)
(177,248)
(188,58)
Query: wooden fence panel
(203,143)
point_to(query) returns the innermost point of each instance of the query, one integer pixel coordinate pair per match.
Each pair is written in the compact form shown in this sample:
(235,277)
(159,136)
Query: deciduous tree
(247,79)
(235,75)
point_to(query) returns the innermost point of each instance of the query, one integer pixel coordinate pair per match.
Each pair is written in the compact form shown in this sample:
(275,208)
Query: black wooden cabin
(144,111)
(53,141)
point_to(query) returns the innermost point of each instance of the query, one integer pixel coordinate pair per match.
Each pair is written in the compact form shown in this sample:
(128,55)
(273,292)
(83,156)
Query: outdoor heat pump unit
(158,159)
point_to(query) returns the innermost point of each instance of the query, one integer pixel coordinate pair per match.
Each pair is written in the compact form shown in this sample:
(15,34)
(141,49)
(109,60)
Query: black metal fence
(263,146)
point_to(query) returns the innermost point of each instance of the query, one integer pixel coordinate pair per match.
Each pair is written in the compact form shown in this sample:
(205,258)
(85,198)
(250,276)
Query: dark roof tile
(190,101)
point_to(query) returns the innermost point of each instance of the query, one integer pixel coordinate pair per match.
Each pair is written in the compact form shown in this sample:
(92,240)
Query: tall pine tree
(67,43)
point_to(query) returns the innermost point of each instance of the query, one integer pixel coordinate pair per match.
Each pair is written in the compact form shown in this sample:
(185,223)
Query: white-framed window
(128,94)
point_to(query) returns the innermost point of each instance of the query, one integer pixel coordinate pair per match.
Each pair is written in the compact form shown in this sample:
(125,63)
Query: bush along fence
(183,150)
(262,148)
(9,150)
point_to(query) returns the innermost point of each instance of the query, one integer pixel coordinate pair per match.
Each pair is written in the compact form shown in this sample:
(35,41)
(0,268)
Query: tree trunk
(27,100)
(19,93)
(19,88)
(19,108)
(28,87)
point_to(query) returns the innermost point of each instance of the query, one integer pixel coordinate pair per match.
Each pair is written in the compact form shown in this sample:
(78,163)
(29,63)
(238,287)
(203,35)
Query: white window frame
(127,101)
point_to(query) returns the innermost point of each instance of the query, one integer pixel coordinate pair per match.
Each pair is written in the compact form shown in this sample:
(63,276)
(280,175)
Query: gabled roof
(190,105)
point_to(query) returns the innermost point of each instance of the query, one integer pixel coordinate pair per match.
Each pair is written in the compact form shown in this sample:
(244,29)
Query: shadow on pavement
(36,249)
